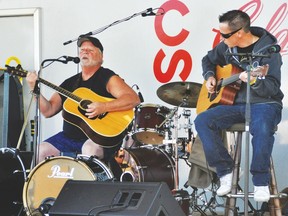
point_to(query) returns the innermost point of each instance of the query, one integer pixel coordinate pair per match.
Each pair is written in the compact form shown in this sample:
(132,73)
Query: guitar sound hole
(83,106)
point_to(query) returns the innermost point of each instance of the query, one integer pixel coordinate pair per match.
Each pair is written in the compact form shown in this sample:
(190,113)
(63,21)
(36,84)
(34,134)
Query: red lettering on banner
(257,7)
(253,8)
(176,58)
(282,35)
(274,24)
(163,37)
(171,41)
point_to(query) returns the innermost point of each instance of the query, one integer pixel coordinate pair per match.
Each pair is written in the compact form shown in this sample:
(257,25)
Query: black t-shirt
(97,83)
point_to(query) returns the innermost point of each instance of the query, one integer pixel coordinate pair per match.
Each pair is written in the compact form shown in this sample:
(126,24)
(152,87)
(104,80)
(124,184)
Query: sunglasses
(226,36)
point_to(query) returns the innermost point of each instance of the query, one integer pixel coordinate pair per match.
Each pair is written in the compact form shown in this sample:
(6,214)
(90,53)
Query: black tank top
(97,83)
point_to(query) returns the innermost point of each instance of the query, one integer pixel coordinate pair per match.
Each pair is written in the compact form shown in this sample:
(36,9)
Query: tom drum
(148,127)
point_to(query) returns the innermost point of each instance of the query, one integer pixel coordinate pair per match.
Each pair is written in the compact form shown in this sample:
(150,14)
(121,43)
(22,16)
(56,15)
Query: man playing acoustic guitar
(96,114)
(265,98)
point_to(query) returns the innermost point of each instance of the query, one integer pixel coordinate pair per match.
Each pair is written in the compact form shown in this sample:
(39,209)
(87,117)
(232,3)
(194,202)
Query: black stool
(235,150)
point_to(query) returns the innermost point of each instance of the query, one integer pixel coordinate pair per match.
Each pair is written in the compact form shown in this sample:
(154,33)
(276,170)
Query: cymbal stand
(168,146)
(185,145)
(176,153)
(173,142)
(168,140)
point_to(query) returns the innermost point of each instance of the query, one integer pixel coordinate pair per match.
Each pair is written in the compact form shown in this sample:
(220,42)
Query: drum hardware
(202,202)
(173,143)
(169,117)
(183,199)
(185,144)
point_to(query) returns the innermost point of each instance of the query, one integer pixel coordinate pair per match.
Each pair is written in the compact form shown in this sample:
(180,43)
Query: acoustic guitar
(107,129)
(227,86)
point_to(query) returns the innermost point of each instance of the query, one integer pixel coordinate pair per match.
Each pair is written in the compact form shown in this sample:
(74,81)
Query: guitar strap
(77,83)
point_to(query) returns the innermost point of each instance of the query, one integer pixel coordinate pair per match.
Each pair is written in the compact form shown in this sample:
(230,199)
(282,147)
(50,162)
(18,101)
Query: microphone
(274,49)
(149,12)
(139,94)
(76,60)
(67,59)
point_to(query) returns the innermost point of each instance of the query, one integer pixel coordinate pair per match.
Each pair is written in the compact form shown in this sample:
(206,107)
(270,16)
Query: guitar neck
(61,91)
(230,80)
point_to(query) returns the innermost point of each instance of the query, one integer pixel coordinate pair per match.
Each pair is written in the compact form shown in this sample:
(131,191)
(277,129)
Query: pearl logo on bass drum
(56,173)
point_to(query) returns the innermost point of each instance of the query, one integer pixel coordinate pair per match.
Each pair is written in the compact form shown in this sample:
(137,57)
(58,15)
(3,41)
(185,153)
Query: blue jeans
(264,119)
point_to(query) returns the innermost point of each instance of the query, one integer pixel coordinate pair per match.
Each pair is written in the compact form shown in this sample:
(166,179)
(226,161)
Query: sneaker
(225,184)
(261,193)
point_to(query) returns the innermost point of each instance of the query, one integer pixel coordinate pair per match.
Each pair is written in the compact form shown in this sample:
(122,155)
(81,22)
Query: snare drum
(148,118)
(46,180)
(145,164)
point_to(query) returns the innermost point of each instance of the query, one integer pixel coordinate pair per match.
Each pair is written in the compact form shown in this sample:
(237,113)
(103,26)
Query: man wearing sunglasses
(238,38)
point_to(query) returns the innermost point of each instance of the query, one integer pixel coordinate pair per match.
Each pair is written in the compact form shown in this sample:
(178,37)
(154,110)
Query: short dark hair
(236,19)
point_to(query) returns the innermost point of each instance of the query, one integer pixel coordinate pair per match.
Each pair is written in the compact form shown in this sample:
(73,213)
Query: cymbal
(183,94)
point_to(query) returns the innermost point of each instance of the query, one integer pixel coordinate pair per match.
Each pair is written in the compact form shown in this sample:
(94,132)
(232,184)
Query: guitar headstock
(16,71)
(260,71)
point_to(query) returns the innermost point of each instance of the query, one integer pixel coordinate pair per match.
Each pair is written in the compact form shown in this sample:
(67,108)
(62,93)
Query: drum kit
(153,130)
(150,152)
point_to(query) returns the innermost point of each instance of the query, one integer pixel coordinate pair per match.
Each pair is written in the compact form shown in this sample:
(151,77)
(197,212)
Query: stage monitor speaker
(79,198)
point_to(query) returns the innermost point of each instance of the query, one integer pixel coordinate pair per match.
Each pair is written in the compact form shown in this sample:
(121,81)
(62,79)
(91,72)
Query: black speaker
(13,166)
(78,198)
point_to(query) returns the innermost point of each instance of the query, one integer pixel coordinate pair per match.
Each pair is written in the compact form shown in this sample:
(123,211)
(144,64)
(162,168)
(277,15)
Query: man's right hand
(211,84)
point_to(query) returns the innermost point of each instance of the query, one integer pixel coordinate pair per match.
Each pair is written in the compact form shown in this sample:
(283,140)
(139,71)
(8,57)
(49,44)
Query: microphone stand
(36,137)
(97,31)
(36,92)
(247,122)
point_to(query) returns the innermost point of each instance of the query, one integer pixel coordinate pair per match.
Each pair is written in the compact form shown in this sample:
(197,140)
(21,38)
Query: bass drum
(100,170)
(147,164)
(46,180)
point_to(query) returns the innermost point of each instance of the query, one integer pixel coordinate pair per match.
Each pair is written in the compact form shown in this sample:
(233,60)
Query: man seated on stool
(265,98)
(104,82)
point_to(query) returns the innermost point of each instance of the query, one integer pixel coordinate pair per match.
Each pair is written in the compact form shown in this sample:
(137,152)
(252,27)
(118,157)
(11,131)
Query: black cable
(109,208)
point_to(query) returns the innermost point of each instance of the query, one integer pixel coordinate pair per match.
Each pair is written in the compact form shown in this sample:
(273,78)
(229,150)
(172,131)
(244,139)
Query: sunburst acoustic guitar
(227,86)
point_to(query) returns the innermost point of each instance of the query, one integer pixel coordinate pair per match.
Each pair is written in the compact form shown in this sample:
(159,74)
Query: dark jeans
(264,119)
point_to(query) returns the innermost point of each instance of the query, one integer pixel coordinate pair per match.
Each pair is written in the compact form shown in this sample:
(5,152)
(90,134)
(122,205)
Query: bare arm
(50,107)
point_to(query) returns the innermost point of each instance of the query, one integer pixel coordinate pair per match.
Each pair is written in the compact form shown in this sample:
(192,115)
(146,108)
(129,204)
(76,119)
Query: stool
(235,151)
